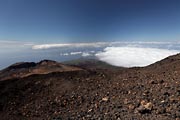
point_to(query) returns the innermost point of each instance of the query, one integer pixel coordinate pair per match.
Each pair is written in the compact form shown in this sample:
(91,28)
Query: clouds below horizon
(151,44)
(83,54)
(126,54)
(75,45)
(133,56)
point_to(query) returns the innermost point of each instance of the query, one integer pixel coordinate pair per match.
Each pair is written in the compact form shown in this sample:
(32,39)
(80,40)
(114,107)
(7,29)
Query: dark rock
(22,65)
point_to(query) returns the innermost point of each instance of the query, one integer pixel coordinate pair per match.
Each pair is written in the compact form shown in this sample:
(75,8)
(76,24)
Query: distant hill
(90,64)
(24,69)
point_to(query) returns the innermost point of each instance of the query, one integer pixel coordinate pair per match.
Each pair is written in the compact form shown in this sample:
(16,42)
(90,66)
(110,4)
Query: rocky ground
(149,93)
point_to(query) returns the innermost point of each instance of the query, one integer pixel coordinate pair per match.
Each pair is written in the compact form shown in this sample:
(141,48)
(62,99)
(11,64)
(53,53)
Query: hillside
(147,93)
(25,69)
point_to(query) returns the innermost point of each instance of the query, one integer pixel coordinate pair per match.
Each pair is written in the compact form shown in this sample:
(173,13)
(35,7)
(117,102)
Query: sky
(126,33)
(65,21)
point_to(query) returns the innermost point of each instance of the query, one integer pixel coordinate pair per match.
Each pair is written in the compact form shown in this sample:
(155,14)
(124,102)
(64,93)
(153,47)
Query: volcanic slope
(147,93)
(24,69)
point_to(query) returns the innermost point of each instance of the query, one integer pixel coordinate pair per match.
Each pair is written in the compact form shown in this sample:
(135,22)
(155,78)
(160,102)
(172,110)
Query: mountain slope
(90,64)
(25,69)
(148,93)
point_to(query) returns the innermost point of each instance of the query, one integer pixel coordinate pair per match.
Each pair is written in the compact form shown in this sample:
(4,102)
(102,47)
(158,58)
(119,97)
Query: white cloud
(93,44)
(104,44)
(64,54)
(75,53)
(86,54)
(133,56)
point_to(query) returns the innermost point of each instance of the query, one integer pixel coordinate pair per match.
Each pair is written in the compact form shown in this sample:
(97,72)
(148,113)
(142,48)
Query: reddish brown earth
(85,93)
(25,69)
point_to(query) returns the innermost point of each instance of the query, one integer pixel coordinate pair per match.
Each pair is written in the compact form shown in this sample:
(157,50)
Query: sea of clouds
(125,54)
(133,56)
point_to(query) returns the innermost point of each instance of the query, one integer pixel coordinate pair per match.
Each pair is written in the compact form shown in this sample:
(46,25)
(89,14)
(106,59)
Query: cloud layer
(47,46)
(83,54)
(126,54)
(133,56)
(105,44)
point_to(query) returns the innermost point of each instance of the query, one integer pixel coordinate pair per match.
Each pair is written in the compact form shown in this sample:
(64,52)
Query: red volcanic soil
(25,69)
(61,92)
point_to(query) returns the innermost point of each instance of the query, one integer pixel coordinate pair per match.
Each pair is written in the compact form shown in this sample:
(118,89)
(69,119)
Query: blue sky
(57,21)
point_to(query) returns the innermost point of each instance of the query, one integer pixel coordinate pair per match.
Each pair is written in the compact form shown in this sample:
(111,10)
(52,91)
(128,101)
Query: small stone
(161,81)
(131,107)
(126,101)
(161,110)
(105,99)
(143,102)
(88,116)
(153,82)
(162,101)
(89,110)
(118,118)
(145,107)
(148,106)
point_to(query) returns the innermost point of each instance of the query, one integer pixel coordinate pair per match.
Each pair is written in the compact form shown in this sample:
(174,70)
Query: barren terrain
(52,91)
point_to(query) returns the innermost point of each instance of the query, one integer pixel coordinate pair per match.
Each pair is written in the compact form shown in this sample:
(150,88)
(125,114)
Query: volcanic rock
(50,90)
